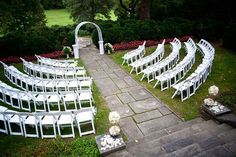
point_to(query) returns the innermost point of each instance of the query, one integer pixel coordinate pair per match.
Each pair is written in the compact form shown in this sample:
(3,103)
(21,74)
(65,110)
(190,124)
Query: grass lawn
(59,17)
(223,75)
(83,146)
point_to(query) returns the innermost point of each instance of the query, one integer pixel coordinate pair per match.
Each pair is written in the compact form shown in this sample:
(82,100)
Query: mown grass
(223,75)
(59,17)
(85,146)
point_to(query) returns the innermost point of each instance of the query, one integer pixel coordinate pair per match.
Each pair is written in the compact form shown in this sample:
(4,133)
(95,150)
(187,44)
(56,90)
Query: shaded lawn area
(223,75)
(83,146)
(59,17)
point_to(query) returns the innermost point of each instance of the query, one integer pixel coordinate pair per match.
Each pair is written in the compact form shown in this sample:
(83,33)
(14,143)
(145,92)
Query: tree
(20,15)
(82,10)
(133,8)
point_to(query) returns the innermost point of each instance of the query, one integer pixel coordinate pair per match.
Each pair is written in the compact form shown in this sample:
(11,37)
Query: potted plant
(67,51)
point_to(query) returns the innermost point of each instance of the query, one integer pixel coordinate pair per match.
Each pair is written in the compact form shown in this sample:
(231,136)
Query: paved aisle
(141,112)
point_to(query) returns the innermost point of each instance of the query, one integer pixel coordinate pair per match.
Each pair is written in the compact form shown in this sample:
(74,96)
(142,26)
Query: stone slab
(164,110)
(125,97)
(188,151)
(131,88)
(130,81)
(99,74)
(145,105)
(120,83)
(123,110)
(130,129)
(112,75)
(173,146)
(218,151)
(106,86)
(113,101)
(147,116)
(140,94)
(231,146)
(120,73)
(158,124)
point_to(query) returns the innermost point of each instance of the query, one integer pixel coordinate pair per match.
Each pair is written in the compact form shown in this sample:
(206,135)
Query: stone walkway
(141,113)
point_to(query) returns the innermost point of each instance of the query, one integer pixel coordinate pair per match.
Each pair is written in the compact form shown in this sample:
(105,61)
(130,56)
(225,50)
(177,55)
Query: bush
(228,98)
(38,40)
(229,36)
(133,30)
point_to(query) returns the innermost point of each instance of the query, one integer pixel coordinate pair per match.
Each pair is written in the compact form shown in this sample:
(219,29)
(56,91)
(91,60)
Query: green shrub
(228,98)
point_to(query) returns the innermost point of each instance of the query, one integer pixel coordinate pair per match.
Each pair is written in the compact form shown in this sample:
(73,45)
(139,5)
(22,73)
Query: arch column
(76,45)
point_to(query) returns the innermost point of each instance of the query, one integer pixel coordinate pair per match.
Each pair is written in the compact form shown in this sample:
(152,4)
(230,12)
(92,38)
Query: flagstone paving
(141,112)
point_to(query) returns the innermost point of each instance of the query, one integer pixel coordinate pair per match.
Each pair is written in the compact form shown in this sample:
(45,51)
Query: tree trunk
(145,9)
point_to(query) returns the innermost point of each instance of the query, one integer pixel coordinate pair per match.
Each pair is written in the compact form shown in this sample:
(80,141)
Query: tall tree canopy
(82,10)
(20,15)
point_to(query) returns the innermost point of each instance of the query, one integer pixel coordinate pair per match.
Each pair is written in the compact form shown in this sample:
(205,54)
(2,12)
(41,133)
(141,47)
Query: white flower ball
(209,102)
(114,130)
(213,90)
(114,117)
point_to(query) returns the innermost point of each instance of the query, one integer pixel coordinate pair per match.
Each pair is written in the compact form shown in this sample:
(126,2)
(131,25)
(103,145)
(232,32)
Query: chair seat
(14,119)
(30,120)
(85,96)
(2,108)
(80,72)
(73,84)
(64,119)
(47,120)
(84,116)
(53,98)
(85,83)
(40,98)
(70,97)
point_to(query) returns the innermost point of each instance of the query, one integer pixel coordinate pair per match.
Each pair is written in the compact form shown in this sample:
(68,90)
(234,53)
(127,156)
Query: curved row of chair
(171,77)
(29,83)
(134,55)
(39,100)
(151,72)
(43,71)
(56,63)
(143,63)
(38,124)
(188,87)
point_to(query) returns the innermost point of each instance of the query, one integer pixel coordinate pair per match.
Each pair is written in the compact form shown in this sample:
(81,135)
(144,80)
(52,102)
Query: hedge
(38,40)
(133,30)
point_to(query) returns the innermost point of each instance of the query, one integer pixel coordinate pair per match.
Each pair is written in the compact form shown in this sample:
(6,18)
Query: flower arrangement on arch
(67,51)
(109,48)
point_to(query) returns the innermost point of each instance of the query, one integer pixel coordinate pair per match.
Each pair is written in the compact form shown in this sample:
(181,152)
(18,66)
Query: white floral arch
(76,45)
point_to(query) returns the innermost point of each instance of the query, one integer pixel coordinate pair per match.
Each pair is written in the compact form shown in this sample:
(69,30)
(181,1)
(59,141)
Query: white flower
(213,90)
(114,130)
(114,117)
(209,102)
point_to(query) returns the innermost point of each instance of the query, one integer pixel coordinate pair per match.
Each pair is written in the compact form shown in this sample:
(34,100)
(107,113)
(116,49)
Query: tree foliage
(82,10)
(20,15)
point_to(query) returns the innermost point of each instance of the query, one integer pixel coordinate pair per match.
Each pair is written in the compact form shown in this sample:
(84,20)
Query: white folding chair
(70,99)
(14,123)
(3,122)
(29,122)
(65,120)
(84,118)
(47,120)
(85,97)
(52,101)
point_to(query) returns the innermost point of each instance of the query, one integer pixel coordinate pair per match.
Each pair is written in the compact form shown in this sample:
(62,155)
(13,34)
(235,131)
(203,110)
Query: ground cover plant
(222,75)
